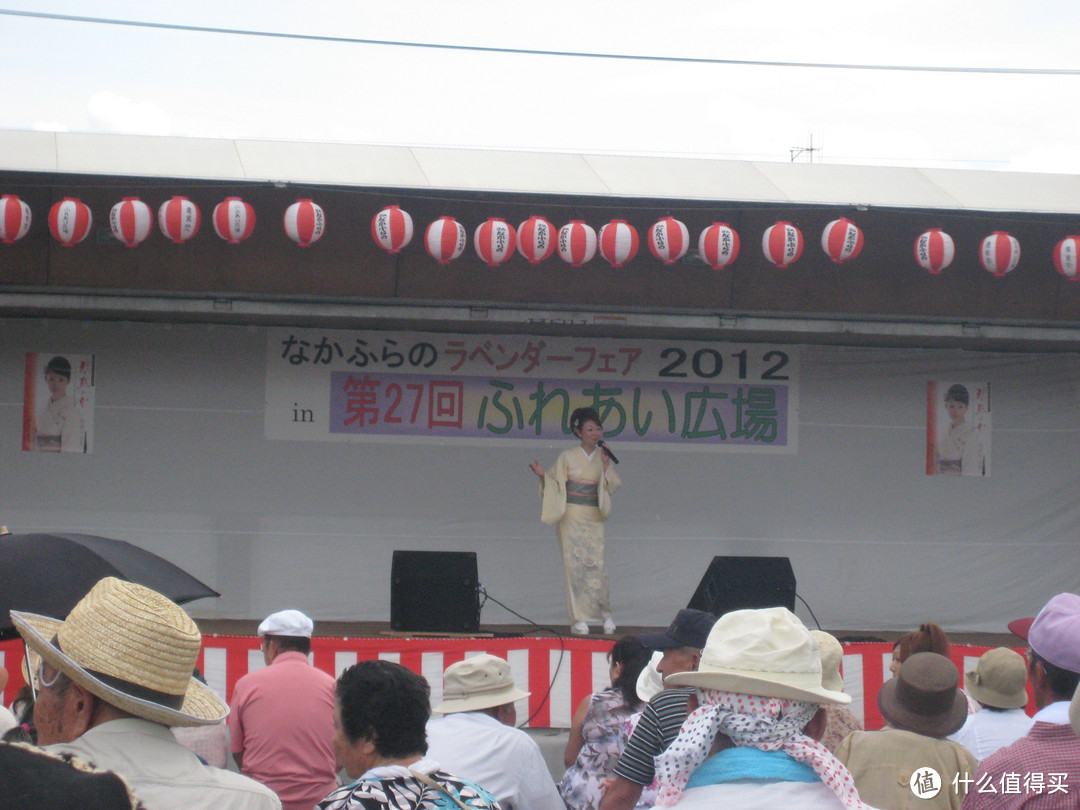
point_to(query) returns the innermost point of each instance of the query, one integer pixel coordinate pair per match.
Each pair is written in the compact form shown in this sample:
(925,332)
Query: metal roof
(413,167)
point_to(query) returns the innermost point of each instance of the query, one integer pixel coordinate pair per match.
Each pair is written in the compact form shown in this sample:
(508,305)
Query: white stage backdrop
(192,461)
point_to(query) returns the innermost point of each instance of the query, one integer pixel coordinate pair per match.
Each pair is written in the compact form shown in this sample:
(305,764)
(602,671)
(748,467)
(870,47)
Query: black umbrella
(50,573)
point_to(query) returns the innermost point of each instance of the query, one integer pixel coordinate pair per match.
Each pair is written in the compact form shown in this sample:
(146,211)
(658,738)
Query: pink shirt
(282,720)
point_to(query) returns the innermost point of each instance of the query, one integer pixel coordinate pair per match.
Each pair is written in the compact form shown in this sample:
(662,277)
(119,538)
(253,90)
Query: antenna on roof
(797,151)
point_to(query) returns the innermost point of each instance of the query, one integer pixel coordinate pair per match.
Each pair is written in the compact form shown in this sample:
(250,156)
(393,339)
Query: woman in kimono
(576,496)
(960,452)
(59,425)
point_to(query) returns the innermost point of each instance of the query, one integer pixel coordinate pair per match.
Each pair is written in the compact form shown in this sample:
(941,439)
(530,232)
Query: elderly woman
(380,718)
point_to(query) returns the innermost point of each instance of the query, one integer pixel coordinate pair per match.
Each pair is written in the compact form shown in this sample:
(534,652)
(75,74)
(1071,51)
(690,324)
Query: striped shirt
(656,730)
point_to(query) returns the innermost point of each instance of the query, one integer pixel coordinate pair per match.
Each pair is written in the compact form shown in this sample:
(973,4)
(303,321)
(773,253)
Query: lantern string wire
(700,60)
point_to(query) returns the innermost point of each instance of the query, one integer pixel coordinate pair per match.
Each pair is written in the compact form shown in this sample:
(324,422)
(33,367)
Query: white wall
(181,467)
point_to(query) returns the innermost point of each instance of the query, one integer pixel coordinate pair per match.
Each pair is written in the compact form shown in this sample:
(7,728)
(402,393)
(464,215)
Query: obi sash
(583,493)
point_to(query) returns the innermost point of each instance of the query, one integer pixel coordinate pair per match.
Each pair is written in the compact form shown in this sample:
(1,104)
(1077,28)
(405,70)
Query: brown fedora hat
(924,697)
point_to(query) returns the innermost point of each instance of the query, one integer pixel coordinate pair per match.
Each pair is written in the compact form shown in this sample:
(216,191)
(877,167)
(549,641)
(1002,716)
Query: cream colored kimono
(577,498)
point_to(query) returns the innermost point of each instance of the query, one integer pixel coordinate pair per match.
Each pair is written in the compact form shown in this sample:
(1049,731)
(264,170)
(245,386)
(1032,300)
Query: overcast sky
(87,77)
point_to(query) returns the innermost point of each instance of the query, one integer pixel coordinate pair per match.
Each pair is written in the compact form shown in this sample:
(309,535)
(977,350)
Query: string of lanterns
(494,241)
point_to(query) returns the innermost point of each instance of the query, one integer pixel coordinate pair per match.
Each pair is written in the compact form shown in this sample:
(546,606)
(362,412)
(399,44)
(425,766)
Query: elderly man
(999,684)
(753,742)
(115,675)
(282,720)
(1042,768)
(476,738)
(681,645)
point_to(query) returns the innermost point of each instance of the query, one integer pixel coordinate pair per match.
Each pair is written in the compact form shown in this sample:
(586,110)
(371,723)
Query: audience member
(282,719)
(600,727)
(476,737)
(35,779)
(753,742)
(209,743)
(379,723)
(1044,763)
(839,720)
(114,676)
(662,718)
(922,706)
(999,684)
(928,638)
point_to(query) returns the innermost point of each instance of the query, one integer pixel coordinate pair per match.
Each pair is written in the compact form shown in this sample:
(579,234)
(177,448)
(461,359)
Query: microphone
(608,450)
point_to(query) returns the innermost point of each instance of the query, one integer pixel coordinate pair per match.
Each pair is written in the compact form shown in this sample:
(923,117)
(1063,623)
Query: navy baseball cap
(690,629)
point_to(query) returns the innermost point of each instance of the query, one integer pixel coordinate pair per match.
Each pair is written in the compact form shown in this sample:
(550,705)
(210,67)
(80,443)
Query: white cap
(286,623)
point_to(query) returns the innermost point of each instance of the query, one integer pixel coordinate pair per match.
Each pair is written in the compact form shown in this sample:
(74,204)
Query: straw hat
(924,697)
(999,679)
(481,682)
(131,647)
(766,652)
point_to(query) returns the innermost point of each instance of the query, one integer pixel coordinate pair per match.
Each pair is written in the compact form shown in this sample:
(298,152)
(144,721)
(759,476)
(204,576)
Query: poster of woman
(958,428)
(58,403)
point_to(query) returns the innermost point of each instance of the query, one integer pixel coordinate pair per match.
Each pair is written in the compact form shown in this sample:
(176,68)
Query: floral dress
(605,732)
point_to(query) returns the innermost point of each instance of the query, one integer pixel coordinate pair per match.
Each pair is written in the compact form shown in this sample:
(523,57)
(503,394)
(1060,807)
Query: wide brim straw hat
(131,647)
(999,679)
(925,697)
(766,652)
(481,682)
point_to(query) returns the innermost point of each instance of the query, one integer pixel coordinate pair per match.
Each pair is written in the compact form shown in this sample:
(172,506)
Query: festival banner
(328,385)
(958,428)
(58,403)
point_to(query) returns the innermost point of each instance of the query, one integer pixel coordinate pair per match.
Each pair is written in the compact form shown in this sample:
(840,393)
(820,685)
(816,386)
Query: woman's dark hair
(957,393)
(633,657)
(59,365)
(582,415)
(928,638)
(386,703)
(23,709)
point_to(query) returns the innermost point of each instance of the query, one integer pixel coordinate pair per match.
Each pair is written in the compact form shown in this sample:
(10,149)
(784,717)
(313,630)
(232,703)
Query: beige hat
(832,653)
(650,682)
(765,652)
(999,679)
(480,682)
(133,648)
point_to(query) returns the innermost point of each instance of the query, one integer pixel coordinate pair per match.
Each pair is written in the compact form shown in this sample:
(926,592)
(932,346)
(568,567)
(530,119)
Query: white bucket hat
(133,648)
(832,654)
(480,682)
(766,652)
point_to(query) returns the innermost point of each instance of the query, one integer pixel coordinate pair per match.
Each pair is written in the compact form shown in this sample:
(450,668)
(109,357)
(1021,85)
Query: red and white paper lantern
(719,245)
(618,242)
(69,221)
(669,240)
(445,239)
(179,219)
(934,250)
(305,222)
(782,244)
(392,229)
(841,240)
(131,221)
(536,239)
(1067,257)
(14,219)
(494,241)
(577,243)
(234,220)
(999,253)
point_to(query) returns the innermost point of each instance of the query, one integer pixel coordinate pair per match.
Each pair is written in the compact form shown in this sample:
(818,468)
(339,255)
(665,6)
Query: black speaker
(735,583)
(434,592)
